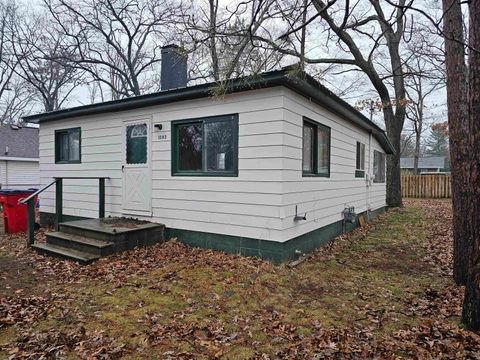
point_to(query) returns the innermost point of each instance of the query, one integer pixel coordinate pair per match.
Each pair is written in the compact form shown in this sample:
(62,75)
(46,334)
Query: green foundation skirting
(273,251)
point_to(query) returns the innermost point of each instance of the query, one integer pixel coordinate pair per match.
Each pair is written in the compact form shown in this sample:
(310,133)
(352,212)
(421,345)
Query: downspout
(6,173)
(369,176)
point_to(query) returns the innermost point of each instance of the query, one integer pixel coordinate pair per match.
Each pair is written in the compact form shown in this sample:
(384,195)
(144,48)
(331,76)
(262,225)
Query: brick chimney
(174,68)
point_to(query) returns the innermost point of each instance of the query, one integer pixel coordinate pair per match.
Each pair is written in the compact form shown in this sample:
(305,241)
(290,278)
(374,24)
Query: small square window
(68,146)
(316,149)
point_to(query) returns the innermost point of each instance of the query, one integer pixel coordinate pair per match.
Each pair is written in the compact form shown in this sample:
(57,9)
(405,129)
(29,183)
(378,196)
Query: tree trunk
(418,127)
(394,189)
(458,127)
(471,303)
(417,153)
(212,29)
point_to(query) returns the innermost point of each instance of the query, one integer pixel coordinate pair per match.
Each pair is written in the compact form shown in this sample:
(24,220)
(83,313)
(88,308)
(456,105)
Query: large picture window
(360,162)
(379,166)
(316,149)
(206,146)
(68,146)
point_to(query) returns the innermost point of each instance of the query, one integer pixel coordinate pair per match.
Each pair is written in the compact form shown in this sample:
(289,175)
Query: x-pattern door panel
(137,189)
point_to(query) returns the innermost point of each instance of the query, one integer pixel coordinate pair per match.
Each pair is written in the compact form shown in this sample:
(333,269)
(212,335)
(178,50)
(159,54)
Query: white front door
(137,177)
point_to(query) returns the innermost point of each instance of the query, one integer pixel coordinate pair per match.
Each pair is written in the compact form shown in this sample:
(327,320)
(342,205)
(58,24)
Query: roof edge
(297,81)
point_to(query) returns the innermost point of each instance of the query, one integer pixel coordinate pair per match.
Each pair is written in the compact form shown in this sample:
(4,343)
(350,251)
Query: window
(205,147)
(378,166)
(67,146)
(136,144)
(360,166)
(316,149)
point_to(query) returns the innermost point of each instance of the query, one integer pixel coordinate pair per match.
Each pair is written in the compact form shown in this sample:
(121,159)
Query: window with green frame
(316,149)
(68,146)
(360,162)
(205,146)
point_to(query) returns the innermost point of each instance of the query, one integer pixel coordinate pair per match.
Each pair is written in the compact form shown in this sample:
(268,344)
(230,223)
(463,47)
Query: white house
(19,157)
(267,169)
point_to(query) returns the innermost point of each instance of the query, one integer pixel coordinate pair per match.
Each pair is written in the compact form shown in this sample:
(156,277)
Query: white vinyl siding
(259,203)
(247,205)
(323,199)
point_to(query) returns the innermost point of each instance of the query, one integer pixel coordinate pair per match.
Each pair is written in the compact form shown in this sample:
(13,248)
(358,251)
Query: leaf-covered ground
(383,291)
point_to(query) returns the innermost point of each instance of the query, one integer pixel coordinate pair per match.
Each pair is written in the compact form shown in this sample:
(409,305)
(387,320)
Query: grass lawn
(384,290)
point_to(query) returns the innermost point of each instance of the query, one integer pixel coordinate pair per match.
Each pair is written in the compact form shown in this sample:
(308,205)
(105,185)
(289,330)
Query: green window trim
(175,125)
(359,173)
(58,134)
(317,127)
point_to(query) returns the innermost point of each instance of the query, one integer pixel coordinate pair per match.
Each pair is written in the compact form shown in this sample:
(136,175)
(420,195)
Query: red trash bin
(14,214)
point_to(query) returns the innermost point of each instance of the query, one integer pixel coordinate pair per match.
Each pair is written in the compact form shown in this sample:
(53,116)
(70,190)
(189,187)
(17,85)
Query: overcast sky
(338,82)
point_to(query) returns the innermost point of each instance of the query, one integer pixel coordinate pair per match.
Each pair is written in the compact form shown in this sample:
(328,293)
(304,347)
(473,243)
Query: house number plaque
(162,136)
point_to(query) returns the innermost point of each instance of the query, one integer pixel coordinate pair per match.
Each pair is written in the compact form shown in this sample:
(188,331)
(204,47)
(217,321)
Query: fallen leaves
(22,310)
(54,344)
(193,303)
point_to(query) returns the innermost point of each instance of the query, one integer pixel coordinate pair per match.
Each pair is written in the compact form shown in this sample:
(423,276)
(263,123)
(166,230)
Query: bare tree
(8,61)
(16,97)
(407,145)
(368,39)
(221,34)
(116,41)
(421,82)
(43,60)
(17,101)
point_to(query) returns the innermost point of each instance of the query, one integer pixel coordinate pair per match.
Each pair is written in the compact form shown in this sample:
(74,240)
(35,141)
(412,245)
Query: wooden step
(81,243)
(65,253)
(97,229)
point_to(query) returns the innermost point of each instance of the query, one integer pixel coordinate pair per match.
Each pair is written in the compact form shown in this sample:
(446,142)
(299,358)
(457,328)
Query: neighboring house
(425,164)
(19,157)
(236,172)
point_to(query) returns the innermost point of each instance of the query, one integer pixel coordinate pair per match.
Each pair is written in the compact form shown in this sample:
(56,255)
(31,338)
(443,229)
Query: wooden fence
(426,186)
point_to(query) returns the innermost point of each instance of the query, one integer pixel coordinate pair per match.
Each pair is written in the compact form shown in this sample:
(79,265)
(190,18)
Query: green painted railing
(58,181)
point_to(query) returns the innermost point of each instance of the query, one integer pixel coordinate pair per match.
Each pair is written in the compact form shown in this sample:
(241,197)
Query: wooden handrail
(58,181)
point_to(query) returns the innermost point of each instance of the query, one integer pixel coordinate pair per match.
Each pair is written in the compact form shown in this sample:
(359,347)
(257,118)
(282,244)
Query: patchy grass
(174,301)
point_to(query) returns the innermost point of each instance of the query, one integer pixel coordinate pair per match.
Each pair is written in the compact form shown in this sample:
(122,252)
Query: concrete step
(81,243)
(65,253)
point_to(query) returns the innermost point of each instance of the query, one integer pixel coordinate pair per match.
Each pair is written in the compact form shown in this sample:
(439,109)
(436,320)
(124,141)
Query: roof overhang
(299,82)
